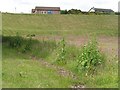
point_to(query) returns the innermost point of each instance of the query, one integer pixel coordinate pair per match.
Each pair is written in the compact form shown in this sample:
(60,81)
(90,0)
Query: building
(46,10)
(100,10)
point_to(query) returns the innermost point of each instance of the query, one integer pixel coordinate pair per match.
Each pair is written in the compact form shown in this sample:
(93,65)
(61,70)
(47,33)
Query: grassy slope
(56,25)
(60,24)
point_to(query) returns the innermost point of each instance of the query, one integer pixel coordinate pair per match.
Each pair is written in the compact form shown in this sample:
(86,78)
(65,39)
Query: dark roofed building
(103,10)
(46,10)
(100,10)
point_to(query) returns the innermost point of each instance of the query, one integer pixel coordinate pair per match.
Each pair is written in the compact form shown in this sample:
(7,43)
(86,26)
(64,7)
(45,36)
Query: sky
(25,6)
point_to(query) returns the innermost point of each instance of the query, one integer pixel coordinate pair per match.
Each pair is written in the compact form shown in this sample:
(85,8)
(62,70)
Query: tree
(74,11)
(64,12)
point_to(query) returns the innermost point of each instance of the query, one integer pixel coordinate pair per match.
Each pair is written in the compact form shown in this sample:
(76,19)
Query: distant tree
(64,12)
(74,11)
(117,13)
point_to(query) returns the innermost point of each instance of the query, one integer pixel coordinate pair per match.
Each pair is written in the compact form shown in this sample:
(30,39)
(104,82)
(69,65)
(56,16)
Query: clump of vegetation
(19,42)
(61,52)
(28,44)
(90,58)
(16,42)
(71,11)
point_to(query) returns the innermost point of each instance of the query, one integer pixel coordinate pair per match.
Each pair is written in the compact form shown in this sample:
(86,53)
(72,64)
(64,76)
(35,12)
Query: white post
(15,9)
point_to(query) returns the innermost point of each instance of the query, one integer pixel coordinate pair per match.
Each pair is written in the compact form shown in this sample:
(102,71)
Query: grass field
(60,24)
(20,71)
(37,68)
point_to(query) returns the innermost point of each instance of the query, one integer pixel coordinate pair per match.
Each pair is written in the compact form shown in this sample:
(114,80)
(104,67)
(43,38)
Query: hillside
(60,24)
(59,51)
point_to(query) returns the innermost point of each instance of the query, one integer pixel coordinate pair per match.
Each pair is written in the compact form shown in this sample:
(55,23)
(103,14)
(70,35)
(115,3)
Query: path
(61,71)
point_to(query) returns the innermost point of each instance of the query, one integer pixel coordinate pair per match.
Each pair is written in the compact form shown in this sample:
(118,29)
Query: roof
(48,8)
(100,9)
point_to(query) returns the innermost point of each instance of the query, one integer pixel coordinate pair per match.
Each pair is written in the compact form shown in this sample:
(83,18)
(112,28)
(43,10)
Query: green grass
(21,70)
(60,24)
(106,75)
(0,65)
(33,73)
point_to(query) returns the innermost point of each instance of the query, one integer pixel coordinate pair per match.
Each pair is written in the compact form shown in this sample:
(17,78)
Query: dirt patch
(107,44)
(60,70)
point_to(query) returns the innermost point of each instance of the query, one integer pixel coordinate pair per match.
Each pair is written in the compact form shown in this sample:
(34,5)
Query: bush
(16,42)
(89,58)
(63,12)
(74,11)
(27,45)
(19,42)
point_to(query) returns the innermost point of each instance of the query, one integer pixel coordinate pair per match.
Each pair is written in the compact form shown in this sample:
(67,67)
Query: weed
(19,42)
(89,57)
(23,74)
(61,52)
(16,42)
(28,45)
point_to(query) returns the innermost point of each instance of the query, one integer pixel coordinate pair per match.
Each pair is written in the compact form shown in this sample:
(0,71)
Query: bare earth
(109,45)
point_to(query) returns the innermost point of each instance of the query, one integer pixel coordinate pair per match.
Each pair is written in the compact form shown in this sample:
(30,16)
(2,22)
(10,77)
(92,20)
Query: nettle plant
(61,52)
(28,44)
(89,58)
(20,43)
(16,41)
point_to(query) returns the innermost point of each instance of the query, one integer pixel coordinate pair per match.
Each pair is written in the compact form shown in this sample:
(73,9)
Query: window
(49,12)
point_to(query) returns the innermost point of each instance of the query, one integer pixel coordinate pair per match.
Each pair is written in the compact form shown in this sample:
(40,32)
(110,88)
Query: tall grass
(79,60)
(19,43)
(87,58)
(60,24)
(61,52)
(33,48)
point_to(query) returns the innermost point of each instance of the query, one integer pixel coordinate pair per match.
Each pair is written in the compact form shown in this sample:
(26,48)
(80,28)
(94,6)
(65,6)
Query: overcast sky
(25,6)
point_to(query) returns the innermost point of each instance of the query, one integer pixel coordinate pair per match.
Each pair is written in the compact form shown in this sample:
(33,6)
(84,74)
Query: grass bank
(23,69)
(101,25)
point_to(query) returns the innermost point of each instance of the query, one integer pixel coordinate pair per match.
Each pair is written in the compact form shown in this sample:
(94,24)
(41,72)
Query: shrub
(16,41)
(20,43)
(27,46)
(28,43)
(63,12)
(74,11)
(89,58)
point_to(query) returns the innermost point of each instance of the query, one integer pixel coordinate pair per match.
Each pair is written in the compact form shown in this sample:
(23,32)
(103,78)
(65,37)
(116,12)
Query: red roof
(48,8)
